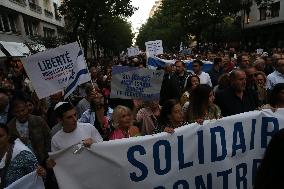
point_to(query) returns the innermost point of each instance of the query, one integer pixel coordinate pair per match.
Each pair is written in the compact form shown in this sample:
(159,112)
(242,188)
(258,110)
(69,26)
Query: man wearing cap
(72,132)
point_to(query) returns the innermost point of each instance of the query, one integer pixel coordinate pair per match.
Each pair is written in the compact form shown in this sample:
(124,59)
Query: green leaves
(176,20)
(85,18)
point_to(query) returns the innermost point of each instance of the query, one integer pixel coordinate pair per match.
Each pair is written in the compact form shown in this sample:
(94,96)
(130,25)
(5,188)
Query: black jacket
(169,89)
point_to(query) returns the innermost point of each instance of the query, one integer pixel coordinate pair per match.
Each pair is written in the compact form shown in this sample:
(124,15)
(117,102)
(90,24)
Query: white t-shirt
(62,140)
(274,78)
(205,79)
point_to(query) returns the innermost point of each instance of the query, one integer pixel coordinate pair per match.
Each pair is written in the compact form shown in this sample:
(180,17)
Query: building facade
(25,18)
(263,25)
(20,20)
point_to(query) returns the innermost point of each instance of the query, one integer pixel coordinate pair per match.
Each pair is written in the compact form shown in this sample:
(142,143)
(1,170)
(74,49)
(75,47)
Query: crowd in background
(30,127)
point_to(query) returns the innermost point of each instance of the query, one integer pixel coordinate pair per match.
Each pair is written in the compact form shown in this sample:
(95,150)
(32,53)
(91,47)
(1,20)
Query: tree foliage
(115,34)
(202,19)
(85,18)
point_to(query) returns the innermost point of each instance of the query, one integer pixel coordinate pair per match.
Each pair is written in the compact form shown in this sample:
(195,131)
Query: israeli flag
(155,62)
(79,75)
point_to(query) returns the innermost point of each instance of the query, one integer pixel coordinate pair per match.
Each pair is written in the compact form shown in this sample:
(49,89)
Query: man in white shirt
(197,69)
(72,132)
(277,76)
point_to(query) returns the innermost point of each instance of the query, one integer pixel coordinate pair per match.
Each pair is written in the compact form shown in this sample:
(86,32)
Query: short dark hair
(233,73)
(197,62)
(217,61)
(16,101)
(89,88)
(273,99)
(61,109)
(182,62)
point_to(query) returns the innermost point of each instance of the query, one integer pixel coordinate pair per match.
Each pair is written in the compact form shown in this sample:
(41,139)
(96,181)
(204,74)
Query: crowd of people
(32,127)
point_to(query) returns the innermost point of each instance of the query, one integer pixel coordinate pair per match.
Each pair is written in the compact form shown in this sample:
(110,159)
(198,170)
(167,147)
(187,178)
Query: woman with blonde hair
(122,122)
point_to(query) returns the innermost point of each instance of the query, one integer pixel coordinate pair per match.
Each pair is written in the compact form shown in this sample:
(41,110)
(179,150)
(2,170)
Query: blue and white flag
(55,70)
(80,74)
(155,62)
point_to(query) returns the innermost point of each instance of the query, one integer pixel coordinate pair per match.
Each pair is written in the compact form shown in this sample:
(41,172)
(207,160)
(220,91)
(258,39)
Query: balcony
(19,2)
(35,8)
(48,13)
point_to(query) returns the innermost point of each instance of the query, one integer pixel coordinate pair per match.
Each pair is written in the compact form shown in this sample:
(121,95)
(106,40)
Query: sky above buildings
(141,15)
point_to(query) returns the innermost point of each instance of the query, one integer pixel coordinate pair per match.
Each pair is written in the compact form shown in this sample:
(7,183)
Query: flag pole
(70,101)
(92,83)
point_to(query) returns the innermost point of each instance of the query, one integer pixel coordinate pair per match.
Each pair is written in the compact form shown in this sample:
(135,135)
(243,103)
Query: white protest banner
(132,51)
(154,47)
(221,153)
(259,51)
(80,74)
(49,71)
(136,83)
(30,181)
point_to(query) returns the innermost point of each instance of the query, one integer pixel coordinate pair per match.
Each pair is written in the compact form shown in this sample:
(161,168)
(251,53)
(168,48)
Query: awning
(2,55)
(15,49)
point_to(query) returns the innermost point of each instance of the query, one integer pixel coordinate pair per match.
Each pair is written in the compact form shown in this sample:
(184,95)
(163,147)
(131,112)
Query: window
(31,27)
(27,28)
(32,1)
(48,32)
(275,7)
(1,24)
(262,12)
(46,4)
(6,23)
(35,28)
(11,20)
(55,9)
(247,17)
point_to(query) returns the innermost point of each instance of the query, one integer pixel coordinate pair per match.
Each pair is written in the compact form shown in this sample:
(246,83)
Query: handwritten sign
(135,83)
(50,71)
(154,47)
(132,51)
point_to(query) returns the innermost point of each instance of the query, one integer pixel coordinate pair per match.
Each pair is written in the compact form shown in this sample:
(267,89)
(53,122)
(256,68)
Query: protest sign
(154,47)
(136,83)
(50,71)
(30,181)
(221,153)
(80,74)
(132,51)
